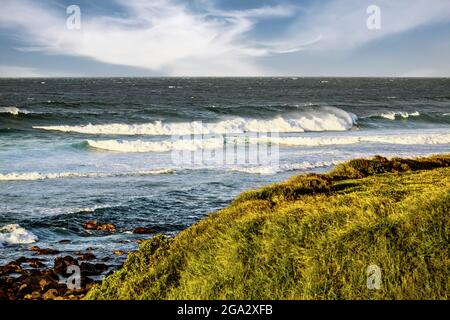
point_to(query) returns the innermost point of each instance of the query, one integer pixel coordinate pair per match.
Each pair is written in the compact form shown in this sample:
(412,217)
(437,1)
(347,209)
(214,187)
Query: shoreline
(310,237)
(71,275)
(160,252)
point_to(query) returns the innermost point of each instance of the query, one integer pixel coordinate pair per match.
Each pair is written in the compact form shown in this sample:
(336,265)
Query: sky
(392,38)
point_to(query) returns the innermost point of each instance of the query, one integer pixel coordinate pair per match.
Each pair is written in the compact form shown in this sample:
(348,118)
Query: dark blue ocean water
(73,150)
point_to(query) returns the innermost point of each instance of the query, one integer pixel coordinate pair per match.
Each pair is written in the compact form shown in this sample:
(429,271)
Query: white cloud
(168,37)
(341,25)
(162,35)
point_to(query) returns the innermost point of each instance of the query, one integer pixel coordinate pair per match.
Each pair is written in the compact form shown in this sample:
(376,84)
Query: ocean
(149,152)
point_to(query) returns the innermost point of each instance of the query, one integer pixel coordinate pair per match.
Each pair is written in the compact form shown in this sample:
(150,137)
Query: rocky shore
(67,277)
(313,236)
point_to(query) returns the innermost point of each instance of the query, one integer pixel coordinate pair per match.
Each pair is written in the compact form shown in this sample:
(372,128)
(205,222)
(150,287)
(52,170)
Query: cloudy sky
(225,38)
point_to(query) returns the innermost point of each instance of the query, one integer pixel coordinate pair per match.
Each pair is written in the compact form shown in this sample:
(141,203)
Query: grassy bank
(311,237)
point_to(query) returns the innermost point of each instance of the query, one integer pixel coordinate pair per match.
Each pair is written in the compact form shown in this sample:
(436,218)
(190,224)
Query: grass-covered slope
(311,237)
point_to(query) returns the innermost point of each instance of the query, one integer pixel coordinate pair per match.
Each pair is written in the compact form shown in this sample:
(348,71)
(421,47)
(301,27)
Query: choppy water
(73,150)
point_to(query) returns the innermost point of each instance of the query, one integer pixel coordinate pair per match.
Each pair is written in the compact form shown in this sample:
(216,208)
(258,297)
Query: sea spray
(318,119)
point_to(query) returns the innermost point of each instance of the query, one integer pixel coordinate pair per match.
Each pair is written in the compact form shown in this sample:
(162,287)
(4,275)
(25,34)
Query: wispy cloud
(170,37)
(341,25)
(160,35)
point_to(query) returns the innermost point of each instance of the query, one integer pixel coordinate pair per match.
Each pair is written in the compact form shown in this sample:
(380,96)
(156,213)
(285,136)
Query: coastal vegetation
(310,237)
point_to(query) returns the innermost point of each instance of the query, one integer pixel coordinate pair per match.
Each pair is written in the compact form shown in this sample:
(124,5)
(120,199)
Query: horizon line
(231,77)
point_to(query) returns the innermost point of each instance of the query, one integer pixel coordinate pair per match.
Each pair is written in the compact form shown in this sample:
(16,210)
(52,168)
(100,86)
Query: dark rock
(35,295)
(62,289)
(61,264)
(91,225)
(21,260)
(143,230)
(87,256)
(94,225)
(11,268)
(92,269)
(50,294)
(3,294)
(24,289)
(64,241)
(119,252)
(44,251)
(35,263)
(86,280)
(46,283)
(33,282)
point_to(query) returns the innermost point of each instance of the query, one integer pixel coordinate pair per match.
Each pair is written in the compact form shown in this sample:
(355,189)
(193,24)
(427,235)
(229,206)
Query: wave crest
(394,115)
(271,170)
(314,119)
(156,146)
(15,234)
(13,110)
(402,139)
(31,176)
(139,146)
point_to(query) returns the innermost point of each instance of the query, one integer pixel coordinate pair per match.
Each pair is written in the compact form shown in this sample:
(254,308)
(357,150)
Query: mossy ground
(311,237)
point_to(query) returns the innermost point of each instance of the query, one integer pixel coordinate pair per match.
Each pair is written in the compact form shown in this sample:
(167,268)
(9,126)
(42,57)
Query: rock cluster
(31,279)
(143,230)
(94,225)
(23,279)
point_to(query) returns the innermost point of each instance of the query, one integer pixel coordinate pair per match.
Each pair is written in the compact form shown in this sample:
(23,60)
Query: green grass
(311,237)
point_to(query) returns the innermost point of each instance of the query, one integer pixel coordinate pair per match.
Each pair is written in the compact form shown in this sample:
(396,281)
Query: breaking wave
(156,146)
(314,119)
(13,110)
(139,146)
(270,170)
(30,176)
(395,115)
(15,234)
(403,139)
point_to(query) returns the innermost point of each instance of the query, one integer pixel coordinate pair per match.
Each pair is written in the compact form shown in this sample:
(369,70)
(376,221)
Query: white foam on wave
(15,234)
(156,146)
(271,170)
(392,115)
(13,110)
(139,146)
(313,119)
(401,139)
(31,176)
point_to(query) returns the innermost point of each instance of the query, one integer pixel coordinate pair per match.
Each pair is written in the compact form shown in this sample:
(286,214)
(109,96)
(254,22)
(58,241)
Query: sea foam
(401,139)
(271,170)
(393,115)
(31,176)
(13,110)
(140,146)
(313,119)
(15,234)
(156,146)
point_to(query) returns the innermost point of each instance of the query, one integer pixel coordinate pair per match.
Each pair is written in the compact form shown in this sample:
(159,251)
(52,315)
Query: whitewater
(319,119)
(162,153)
